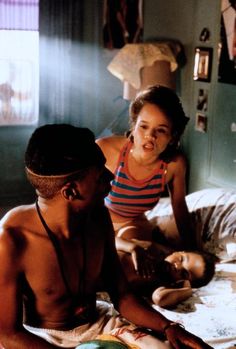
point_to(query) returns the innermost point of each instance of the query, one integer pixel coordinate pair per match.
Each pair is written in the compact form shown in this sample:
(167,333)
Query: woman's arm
(170,297)
(142,264)
(177,189)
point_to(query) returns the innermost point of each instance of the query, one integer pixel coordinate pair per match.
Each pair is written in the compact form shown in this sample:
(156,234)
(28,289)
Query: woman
(143,164)
(173,276)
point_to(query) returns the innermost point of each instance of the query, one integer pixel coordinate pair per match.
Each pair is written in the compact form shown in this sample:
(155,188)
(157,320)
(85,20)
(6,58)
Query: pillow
(214,215)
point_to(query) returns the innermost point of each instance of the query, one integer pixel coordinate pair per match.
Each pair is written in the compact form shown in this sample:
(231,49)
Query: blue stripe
(123,175)
(125,204)
(128,196)
(127,187)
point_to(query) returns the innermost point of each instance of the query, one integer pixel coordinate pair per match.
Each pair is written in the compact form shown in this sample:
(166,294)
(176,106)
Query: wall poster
(122,22)
(202,64)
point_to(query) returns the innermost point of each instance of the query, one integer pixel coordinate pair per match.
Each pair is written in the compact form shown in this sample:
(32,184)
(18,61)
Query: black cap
(58,149)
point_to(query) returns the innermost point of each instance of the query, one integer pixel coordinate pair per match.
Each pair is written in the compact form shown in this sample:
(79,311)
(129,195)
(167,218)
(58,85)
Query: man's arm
(12,333)
(131,307)
(142,315)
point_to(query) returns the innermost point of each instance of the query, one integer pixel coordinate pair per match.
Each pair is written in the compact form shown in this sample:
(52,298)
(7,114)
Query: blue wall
(211,155)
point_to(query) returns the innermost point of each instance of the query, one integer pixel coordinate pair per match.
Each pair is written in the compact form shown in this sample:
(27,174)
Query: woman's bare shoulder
(111,147)
(176,167)
(114,142)
(179,160)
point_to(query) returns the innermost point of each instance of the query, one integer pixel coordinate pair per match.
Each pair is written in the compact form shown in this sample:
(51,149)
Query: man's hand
(180,338)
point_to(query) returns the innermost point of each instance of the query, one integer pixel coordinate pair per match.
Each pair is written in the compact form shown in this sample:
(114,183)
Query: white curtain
(19,66)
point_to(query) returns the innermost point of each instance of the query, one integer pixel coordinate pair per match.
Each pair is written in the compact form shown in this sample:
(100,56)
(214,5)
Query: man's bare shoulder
(17,220)
(16,212)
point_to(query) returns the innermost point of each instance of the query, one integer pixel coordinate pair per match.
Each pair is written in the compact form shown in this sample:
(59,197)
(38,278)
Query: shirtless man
(56,254)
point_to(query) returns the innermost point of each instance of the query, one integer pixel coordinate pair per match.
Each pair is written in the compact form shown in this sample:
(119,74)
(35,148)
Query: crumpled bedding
(211,311)
(214,215)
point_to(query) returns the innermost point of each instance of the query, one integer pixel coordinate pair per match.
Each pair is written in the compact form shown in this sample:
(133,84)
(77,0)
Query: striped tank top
(129,197)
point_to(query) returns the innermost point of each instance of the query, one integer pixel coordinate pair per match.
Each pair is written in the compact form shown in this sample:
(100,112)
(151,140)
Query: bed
(211,311)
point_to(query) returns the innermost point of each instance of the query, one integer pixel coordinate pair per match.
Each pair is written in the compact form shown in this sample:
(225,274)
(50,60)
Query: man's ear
(69,192)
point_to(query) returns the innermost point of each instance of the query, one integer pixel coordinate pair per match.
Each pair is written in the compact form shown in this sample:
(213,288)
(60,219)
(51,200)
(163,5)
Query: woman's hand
(140,251)
(143,262)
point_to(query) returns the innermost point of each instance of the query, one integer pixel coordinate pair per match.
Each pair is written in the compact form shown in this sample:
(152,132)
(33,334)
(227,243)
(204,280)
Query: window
(19,62)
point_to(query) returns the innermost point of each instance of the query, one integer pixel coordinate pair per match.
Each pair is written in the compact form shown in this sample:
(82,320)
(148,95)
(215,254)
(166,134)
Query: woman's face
(152,132)
(186,265)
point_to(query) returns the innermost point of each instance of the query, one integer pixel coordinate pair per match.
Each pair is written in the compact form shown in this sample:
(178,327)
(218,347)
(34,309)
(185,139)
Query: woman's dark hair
(169,103)
(233,3)
(209,269)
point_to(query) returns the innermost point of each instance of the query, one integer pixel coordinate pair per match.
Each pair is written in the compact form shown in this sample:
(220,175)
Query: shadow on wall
(4,210)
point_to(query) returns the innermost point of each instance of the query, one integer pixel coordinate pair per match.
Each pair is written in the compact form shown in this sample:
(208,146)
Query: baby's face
(186,265)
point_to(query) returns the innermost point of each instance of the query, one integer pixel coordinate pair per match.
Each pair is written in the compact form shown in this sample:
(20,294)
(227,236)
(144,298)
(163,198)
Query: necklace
(60,258)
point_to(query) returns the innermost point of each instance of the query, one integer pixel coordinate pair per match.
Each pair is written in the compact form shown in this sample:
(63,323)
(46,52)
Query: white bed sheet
(211,312)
